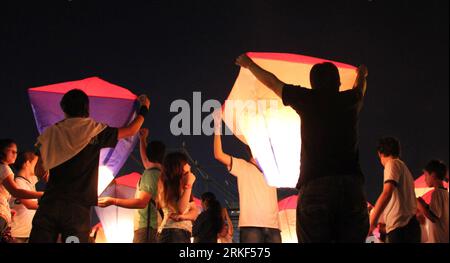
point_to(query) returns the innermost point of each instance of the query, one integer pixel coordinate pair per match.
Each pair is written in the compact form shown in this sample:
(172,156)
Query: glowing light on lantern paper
(287,218)
(118,222)
(105,176)
(256,115)
(108,104)
(422,190)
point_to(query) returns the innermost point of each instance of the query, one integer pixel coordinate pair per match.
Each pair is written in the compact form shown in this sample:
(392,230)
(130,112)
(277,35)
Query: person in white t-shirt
(437,212)
(8,187)
(398,199)
(258,219)
(25,208)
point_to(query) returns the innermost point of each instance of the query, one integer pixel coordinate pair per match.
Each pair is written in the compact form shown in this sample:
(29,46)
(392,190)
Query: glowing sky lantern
(287,218)
(258,118)
(108,104)
(118,222)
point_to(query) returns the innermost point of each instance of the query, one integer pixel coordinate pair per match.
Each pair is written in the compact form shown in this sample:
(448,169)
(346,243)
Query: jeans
(3,225)
(5,231)
(174,235)
(140,236)
(20,240)
(69,219)
(208,240)
(410,233)
(259,235)
(332,209)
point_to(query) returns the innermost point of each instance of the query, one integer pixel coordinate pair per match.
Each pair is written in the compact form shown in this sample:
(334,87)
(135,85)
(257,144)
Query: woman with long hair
(175,199)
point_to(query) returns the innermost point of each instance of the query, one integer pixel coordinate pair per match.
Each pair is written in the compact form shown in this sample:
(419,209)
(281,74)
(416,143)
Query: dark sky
(168,49)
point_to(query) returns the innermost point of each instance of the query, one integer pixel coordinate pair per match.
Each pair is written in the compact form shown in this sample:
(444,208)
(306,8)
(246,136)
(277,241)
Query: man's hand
(143,134)
(133,128)
(373,224)
(144,101)
(176,217)
(363,71)
(369,207)
(371,229)
(265,77)
(360,81)
(106,201)
(244,61)
(45,176)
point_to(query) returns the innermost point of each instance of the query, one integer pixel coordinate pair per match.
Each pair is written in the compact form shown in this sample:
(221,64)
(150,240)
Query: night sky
(168,49)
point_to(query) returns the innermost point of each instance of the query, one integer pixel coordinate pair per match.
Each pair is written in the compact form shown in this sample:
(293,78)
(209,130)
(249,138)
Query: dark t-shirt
(205,228)
(329,128)
(76,180)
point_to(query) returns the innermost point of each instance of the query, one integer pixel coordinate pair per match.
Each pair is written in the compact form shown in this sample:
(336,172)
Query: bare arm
(183,203)
(132,128)
(268,79)
(191,215)
(140,202)
(361,79)
(15,191)
(425,210)
(228,219)
(381,204)
(143,134)
(187,183)
(40,172)
(218,152)
(30,204)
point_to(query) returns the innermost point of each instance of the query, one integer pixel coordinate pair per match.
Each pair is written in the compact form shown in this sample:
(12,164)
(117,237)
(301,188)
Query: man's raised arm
(267,78)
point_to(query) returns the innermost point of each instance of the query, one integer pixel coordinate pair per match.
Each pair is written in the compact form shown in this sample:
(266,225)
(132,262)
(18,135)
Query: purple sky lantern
(108,103)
